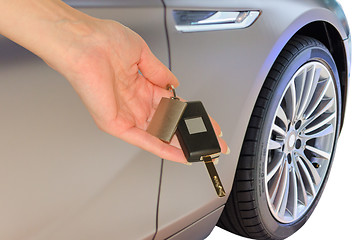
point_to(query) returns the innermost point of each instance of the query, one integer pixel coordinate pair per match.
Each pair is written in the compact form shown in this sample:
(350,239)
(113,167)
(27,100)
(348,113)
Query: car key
(199,142)
(194,131)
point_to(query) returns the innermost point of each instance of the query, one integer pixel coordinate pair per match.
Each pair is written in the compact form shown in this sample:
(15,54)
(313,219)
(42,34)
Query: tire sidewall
(319,53)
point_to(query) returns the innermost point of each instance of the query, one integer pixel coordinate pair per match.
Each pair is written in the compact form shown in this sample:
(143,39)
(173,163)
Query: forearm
(45,27)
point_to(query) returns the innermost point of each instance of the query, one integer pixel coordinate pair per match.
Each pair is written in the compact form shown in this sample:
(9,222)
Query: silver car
(274,74)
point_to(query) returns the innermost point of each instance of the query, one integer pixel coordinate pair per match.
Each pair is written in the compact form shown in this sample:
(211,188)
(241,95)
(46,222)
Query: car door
(220,69)
(60,176)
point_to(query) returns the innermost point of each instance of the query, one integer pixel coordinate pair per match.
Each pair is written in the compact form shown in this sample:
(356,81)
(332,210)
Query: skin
(102,60)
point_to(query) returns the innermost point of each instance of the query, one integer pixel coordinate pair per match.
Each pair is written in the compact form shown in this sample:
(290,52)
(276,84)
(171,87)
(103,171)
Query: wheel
(289,144)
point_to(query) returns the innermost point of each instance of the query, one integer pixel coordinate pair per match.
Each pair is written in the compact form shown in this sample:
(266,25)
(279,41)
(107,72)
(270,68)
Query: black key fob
(196,134)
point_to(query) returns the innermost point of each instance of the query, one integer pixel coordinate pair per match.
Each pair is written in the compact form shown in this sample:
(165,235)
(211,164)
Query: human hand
(111,67)
(121,82)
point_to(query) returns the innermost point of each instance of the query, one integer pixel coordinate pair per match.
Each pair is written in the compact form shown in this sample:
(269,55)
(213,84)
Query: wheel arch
(333,37)
(330,37)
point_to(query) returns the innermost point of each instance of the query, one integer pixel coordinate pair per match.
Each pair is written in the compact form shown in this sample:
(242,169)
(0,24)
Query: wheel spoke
(323,107)
(306,91)
(293,195)
(273,190)
(286,190)
(274,145)
(307,176)
(279,130)
(291,99)
(320,122)
(274,167)
(282,116)
(311,169)
(311,93)
(299,82)
(282,187)
(318,96)
(302,193)
(322,132)
(319,152)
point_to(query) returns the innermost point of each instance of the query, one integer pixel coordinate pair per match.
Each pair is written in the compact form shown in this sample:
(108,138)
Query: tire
(289,144)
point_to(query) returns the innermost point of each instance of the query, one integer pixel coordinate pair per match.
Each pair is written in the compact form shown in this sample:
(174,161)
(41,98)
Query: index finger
(154,70)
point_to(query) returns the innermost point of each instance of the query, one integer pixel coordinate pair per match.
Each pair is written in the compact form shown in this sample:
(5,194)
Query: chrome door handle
(198,21)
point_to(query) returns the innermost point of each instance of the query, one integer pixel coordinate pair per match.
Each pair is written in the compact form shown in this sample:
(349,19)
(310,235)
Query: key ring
(172,88)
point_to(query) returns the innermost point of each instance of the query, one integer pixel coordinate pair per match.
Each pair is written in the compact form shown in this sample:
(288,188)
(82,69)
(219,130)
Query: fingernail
(220,135)
(188,163)
(216,161)
(228,151)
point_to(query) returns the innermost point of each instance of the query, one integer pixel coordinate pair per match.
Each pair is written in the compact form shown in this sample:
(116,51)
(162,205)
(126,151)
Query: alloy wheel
(301,142)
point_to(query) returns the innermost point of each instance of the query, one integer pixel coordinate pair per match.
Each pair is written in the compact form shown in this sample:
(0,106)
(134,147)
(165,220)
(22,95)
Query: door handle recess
(199,21)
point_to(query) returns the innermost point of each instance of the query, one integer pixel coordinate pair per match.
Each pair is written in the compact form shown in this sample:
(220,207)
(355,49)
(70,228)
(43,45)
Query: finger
(224,147)
(152,144)
(175,142)
(216,161)
(216,127)
(154,71)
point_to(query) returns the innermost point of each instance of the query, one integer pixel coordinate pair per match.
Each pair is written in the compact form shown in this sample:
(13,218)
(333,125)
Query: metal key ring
(172,88)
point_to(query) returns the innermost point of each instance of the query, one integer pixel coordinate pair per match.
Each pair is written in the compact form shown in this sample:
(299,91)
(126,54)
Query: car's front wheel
(289,144)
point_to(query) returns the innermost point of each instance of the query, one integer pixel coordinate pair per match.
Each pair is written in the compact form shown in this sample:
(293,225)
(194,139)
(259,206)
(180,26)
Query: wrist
(67,40)
(46,28)
(64,35)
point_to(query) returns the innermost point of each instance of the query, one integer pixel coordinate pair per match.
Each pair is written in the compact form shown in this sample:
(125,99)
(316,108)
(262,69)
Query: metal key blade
(220,191)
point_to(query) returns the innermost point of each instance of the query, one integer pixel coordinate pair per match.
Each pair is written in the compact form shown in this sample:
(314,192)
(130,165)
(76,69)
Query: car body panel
(61,177)
(205,224)
(115,3)
(226,70)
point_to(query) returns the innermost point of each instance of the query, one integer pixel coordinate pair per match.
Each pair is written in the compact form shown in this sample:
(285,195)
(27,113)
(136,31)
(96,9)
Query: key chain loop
(172,88)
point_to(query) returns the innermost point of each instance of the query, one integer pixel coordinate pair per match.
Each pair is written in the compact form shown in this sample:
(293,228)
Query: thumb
(155,71)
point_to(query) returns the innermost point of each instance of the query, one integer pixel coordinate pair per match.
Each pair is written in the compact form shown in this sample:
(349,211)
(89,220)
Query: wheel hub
(292,140)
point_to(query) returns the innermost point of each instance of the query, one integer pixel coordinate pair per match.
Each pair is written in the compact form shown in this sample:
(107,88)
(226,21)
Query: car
(275,76)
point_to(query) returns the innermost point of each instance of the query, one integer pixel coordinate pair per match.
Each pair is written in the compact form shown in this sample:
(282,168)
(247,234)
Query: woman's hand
(111,68)
(121,82)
